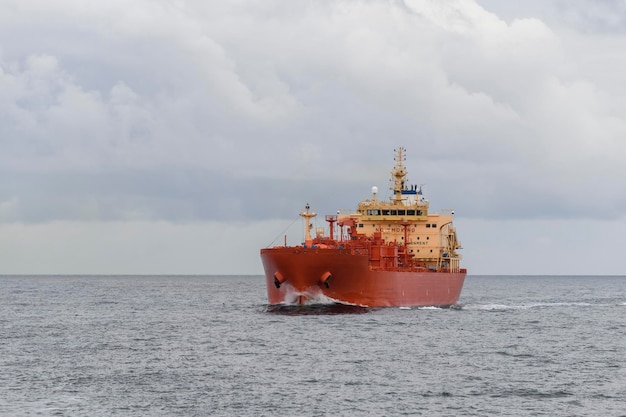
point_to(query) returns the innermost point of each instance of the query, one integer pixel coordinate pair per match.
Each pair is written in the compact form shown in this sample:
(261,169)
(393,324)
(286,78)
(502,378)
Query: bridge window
(410,212)
(401,212)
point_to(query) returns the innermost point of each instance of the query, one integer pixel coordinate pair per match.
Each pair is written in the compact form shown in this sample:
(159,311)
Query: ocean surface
(211,346)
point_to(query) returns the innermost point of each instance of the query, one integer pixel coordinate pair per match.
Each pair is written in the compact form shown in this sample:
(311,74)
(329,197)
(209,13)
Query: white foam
(504,307)
(320,298)
(311,296)
(487,307)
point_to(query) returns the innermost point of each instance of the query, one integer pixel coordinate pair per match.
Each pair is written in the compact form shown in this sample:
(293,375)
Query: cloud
(141,247)
(540,247)
(604,16)
(186,112)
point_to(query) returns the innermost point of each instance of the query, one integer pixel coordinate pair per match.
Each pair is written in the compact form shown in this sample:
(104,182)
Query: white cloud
(193,111)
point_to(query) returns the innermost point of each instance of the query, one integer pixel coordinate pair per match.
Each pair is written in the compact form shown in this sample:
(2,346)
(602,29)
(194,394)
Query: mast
(331,219)
(307,227)
(397,174)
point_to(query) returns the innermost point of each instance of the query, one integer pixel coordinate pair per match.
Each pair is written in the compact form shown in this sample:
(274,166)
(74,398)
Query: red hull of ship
(315,273)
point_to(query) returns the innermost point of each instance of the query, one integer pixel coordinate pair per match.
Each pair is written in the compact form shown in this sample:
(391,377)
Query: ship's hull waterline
(300,275)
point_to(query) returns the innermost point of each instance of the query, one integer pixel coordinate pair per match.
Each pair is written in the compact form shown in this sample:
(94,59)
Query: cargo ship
(387,253)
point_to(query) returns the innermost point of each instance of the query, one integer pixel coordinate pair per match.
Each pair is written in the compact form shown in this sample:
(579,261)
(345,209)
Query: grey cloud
(175,195)
(597,16)
(185,195)
(222,112)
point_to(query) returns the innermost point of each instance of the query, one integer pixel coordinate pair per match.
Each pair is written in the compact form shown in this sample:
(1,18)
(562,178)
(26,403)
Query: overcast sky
(180,137)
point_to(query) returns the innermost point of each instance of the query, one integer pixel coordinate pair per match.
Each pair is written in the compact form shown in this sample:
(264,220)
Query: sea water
(210,345)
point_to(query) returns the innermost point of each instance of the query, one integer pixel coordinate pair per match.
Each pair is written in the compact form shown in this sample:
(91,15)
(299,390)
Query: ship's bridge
(392,212)
(412,206)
